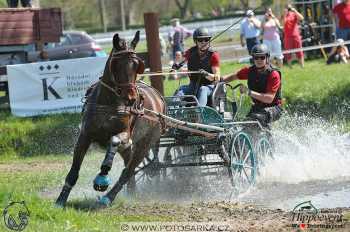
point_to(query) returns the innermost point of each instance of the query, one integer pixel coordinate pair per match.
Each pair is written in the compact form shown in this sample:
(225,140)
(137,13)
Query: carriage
(117,105)
(208,137)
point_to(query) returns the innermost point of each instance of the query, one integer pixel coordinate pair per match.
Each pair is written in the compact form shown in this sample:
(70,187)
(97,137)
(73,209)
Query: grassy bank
(318,90)
(20,185)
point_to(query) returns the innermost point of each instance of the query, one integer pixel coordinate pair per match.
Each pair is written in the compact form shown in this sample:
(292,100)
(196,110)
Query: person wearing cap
(291,34)
(250,31)
(203,59)
(264,86)
(339,54)
(176,37)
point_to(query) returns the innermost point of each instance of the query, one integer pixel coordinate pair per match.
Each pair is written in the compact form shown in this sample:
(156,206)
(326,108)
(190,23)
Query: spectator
(292,37)
(14,3)
(342,17)
(176,64)
(271,37)
(162,45)
(339,54)
(176,37)
(250,31)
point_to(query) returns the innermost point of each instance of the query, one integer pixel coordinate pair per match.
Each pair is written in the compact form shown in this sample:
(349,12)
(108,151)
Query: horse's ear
(135,40)
(116,40)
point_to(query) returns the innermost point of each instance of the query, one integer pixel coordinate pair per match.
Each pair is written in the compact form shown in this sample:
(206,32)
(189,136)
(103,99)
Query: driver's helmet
(201,32)
(259,50)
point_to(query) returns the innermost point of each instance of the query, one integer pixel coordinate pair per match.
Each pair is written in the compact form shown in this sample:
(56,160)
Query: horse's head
(124,65)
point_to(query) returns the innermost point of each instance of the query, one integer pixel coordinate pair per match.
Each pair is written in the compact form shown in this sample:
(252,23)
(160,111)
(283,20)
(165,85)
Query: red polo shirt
(342,11)
(273,80)
(291,28)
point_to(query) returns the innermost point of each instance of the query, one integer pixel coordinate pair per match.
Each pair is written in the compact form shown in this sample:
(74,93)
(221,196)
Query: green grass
(24,186)
(37,135)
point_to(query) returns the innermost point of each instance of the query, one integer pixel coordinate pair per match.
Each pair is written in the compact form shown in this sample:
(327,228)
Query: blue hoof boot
(101,183)
(104,201)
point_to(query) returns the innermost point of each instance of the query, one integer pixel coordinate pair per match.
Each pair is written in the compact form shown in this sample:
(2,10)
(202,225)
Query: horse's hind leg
(80,149)
(117,143)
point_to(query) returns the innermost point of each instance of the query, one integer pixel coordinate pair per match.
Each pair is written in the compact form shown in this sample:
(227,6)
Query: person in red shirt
(264,86)
(342,13)
(291,34)
(204,60)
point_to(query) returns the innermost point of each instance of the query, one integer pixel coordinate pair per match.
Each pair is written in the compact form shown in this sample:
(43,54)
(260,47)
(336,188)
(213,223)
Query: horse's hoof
(104,201)
(101,183)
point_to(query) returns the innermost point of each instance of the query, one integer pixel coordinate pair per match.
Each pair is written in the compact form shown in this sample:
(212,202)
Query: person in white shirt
(250,31)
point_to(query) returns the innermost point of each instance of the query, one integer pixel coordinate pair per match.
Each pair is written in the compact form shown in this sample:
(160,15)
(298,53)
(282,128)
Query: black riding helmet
(259,50)
(201,32)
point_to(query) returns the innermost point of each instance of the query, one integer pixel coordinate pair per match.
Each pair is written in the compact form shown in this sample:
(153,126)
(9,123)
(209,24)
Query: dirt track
(240,217)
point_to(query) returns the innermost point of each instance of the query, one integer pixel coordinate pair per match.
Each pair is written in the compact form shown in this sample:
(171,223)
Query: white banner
(53,86)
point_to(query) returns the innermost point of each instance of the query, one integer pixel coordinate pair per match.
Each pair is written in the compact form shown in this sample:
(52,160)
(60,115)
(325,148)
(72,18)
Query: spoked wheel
(242,169)
(147,172)
(264,151)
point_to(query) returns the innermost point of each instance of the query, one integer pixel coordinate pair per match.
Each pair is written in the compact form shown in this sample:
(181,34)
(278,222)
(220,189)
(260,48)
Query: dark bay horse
(113,117)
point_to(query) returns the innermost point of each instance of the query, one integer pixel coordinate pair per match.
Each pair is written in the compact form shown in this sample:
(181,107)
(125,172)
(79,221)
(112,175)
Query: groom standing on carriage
(204,60)
(264,86)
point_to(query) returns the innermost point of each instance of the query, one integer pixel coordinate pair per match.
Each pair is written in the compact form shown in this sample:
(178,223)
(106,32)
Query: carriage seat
(218,95)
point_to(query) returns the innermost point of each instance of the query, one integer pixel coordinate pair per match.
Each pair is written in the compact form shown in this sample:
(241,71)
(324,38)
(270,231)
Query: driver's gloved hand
(203,72)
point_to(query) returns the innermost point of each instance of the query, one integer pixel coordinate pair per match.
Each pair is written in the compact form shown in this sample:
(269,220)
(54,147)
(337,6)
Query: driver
(264,86)
(200,58)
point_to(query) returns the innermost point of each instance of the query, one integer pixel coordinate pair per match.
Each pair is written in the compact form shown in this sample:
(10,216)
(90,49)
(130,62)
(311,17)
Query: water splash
(307,149)
(311,156)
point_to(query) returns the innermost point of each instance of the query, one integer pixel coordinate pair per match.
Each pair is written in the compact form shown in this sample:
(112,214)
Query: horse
(113,116)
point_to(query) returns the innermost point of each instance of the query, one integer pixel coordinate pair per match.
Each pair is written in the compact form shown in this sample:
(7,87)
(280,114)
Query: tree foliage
(86,14)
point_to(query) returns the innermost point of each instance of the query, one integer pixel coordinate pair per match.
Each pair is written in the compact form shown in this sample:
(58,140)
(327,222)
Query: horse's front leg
(80,149)
(117,143)
(139,149)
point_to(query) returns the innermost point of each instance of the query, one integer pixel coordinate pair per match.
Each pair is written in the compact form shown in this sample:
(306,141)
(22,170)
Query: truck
(23,32)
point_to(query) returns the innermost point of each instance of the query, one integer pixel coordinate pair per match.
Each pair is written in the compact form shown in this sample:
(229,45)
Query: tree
(245,4)
(183,7)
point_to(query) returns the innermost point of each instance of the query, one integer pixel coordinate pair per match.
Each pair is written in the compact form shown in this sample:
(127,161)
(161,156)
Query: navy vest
(257,81)
(194,63)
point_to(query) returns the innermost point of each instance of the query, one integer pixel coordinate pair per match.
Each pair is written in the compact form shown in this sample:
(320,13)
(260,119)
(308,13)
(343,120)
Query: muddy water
(311,162)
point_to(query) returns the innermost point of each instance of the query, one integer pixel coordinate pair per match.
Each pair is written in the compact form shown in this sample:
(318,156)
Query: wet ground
(311,163)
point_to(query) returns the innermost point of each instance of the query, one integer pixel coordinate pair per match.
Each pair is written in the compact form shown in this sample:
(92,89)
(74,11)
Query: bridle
(117,90)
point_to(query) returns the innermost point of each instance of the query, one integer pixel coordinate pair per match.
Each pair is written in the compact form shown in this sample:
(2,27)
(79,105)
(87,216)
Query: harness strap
(109,88)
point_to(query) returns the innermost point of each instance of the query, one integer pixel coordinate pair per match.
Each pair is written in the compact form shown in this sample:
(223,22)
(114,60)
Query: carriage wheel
(263,151)
(242,169)
(146,172)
